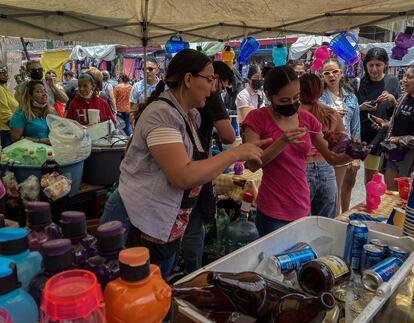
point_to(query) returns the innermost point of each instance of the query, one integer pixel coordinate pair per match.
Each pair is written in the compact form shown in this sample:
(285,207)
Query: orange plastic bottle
(140,294)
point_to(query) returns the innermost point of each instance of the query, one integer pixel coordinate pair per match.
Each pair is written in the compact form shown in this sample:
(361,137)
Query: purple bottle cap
(56,247)
(110,229)
(37,206)
(38,213)
(110,237)
(73,217)
(73,224)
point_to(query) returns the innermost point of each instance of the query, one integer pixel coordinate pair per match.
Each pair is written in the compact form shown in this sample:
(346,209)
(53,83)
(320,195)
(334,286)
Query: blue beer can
(382,244)
(299,246)
(373,277)
(291,261)
(356,238)
(394,251)
(371,256)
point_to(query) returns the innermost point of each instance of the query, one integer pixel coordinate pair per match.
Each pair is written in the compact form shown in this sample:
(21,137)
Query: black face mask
(36,75)
(257,84)
(229,90)
(286,110)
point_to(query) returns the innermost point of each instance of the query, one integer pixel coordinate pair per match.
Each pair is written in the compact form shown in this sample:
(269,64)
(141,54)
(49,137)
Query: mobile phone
(373,120)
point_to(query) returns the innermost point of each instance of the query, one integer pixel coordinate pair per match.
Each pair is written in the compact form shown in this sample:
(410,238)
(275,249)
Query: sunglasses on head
(334,72)
(149,69)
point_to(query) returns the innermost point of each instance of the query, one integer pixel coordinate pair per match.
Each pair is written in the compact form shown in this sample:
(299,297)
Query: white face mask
(87,97)
(38,105)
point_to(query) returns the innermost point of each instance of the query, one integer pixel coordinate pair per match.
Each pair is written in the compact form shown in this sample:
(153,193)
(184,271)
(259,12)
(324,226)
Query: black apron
(160,251)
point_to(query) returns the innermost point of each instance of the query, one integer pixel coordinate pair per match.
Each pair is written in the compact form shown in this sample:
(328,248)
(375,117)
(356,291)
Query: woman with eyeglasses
(340,97)
(377,96)
(29,120)
(252,96)
(166,163)
(400,134)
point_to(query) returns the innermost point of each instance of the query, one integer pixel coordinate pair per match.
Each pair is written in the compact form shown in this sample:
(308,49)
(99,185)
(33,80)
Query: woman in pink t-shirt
(284,192)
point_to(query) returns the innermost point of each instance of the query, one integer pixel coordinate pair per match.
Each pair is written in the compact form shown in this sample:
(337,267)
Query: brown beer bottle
(297,308)
(322,274)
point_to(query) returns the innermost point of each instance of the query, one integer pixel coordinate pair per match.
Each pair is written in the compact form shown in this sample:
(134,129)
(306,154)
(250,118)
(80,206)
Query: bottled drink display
(241,232)
(57,256)
(72,296)
(14,301)
(110,242)
(139,294)
(74,228)
(279,54)
(14,245)
(228,56)
(40,225)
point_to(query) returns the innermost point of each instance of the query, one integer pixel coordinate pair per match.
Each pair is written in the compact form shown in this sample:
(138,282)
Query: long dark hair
(185,61)
(277,78)
(374,54)
(342,84)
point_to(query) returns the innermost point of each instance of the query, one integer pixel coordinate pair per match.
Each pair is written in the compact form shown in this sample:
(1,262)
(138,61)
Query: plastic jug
(248,47)
(344,49)
(74,228)
(375,188)
(57,256)
(320,56)
(72,296)
(18,303)
(105,265)
(175,44)
(403,42)
(14,245)
(40,225)
(241,232)
(140,294)
(235,125)
(228,56)
(279,53)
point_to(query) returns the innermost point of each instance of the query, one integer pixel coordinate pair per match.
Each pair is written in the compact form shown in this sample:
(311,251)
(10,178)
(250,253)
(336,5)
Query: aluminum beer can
(290,261)
(356,238)
(371,256)
(373,277)
(394,251)
(299,246)
(382,244)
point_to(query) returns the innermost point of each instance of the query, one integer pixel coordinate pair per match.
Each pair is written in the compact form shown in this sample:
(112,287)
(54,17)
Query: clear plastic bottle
(40,225)
(74,228)
(72,296)
(105,264)
(18,303)
(14,245)
(57,256)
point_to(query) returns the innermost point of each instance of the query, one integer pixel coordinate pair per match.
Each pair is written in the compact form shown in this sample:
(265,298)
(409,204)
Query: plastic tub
(73,171)
(326,236)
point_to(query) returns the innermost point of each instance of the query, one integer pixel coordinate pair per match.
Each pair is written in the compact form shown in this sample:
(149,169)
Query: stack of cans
(408,228)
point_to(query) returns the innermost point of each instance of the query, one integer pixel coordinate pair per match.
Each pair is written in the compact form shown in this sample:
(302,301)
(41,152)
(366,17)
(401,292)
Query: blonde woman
(29,120)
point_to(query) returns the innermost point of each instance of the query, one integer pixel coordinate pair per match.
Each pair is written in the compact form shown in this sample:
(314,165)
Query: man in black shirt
(213,115)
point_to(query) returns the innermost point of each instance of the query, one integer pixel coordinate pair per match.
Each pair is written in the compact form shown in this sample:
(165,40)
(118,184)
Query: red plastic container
(72,296)
(403,187)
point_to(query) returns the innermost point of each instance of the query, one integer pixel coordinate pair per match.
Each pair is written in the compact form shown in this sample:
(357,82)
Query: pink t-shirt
(284,191)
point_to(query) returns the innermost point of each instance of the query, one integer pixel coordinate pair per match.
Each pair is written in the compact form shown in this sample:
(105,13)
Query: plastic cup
(93,116)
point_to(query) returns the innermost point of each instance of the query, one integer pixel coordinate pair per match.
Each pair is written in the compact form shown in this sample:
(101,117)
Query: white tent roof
(136,22)
(406,61)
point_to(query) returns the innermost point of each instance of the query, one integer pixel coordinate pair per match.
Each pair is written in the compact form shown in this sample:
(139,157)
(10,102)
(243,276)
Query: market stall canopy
(100,53)
(406,61)
(138,22)
(303,44)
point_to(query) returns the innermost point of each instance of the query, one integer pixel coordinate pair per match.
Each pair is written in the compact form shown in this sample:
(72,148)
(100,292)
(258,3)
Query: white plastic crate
(326,236)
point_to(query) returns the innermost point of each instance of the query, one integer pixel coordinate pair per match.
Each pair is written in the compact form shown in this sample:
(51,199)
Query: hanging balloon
(320,56)
(344,49)
(248,47)
(403,42)
(279,53)
(228,56)
(175,44)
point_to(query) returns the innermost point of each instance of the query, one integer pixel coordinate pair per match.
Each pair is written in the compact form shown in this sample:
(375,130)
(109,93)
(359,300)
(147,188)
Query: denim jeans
(114,210)
(193,242)
(322,186)
(266,224)
(125,116)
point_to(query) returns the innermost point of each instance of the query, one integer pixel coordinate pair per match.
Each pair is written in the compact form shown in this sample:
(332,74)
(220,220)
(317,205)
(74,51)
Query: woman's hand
(251,151)
(294,136)
(387,97)
(366,106)
(342,111)
(379,124)
(394,140)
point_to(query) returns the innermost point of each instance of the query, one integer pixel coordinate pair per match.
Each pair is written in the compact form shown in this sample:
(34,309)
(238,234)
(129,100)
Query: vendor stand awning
(145,22)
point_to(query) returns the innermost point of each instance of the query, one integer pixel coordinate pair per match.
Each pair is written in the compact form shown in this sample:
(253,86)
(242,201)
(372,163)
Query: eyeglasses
(333,72)
(149,69)
(210,78)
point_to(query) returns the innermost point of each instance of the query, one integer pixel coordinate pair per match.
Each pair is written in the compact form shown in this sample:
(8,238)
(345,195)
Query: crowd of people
(286,114)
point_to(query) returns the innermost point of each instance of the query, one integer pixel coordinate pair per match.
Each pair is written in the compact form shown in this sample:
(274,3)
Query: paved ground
(358,194)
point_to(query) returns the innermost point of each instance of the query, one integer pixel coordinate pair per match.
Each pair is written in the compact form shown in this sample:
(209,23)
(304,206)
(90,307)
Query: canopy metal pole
(145,43)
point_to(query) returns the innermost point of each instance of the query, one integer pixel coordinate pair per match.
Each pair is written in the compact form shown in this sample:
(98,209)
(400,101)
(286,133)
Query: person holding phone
(399,140)
(377,95)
